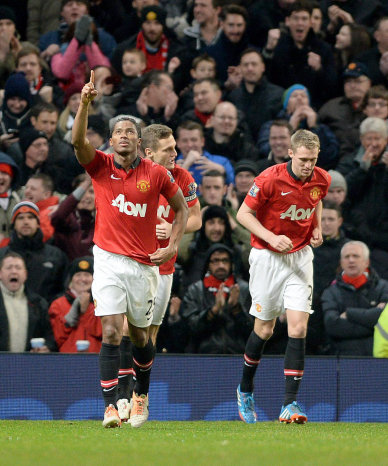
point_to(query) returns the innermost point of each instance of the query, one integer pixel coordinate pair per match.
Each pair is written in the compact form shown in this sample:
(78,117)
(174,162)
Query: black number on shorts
(311,293)
(151,303)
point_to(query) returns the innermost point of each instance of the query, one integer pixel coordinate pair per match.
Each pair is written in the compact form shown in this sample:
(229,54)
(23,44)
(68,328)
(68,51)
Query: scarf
(36,85)
(155,60)
(212,284)
(204,117)
(357,282)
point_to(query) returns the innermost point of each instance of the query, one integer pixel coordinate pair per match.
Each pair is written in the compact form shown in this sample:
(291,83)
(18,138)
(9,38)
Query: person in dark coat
(353,303)
(46,264)
(326,264)
(300,57)
(74,220)
(256,97)
(216,307)
(232,41)
(23,314)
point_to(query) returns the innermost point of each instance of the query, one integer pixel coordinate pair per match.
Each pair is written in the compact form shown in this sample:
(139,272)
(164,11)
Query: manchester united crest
(143,186)
(315,193)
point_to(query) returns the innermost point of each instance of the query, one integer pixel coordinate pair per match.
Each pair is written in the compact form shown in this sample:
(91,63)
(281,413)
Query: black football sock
(293,367)
(109,361)
(126,372)
(142,363)
(253,351)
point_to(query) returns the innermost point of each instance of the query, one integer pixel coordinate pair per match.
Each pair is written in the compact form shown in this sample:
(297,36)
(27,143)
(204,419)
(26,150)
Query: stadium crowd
(234,79)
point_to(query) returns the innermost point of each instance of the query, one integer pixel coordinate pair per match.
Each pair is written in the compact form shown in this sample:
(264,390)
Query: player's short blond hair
(305,138)
(152,134)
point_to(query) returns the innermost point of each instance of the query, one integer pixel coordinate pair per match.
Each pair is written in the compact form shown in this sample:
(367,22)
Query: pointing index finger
(92,77)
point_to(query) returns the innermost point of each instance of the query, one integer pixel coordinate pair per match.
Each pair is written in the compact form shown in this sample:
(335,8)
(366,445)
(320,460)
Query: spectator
(157,102)
(205,28)
(351,40)
(376,58)
(42,17)
(71,101)
(9,182)
(300,57)
(71,11)
(373,136)
(256,97)
(39,189)
(367,189)
(216,307)
(223,137)
(194,158)
(317,20)
(35,149)
(215,229)
(353,303)
(44,117)
(266,18)
(133,65)
(232,41)
(15,110)
(45,264)
(9,43)
(280,133)
(326,264)
(213,191)
(343,115)
(97,132)
(42,83)
(74,220)
(23,314)
(245,172)
(162,49)
(206,95)
(72,314)
(299,113)
(375,103)
(80,53)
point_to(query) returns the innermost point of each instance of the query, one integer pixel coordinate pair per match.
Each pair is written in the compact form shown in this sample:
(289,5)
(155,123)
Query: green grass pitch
(192,443)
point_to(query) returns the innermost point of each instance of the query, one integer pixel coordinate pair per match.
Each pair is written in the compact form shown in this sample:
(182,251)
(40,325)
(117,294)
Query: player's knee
(297,331)
(266,334)
(111,334)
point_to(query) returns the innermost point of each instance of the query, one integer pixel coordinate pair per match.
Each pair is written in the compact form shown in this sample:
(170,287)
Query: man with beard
(126,253)
(162,49)
(216,307)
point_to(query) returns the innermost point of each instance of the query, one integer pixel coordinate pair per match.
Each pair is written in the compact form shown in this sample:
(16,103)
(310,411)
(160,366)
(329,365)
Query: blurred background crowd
(234,80)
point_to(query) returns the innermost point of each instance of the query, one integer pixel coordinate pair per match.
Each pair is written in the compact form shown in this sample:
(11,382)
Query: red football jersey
(285,205)
(127,204)
(189,188)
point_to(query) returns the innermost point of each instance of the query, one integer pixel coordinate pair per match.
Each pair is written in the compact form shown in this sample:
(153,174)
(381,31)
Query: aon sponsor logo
(297,214)
(164,211)
(129,208)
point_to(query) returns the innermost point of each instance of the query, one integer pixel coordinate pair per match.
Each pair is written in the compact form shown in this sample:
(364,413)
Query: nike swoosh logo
(297,378)
(282,193)
(109,389)
(114,177)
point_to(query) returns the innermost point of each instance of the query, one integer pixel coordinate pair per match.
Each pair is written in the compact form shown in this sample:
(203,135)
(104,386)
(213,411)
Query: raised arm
(84,151)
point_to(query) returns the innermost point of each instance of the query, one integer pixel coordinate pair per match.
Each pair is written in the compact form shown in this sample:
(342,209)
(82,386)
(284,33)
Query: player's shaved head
(152,134)
(125,118)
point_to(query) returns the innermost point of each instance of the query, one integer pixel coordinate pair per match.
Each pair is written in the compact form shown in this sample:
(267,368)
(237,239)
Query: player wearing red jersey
(158,144)
(283,213)
(126,253)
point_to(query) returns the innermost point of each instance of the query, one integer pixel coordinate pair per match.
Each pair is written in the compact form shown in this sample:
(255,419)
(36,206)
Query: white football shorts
(122,285)
(162,298)
(280,281)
